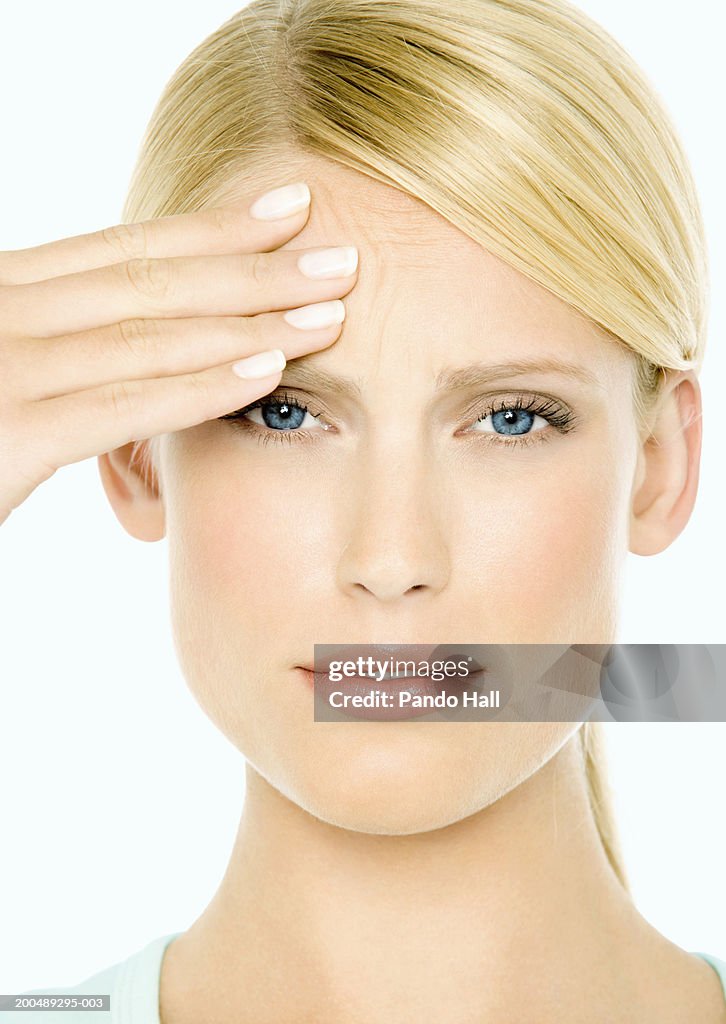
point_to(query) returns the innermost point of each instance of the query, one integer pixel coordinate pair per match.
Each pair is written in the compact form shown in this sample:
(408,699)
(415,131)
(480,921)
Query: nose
(394,522)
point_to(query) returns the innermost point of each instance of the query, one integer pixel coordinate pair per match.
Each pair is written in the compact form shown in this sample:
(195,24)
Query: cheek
(247,540)
(243,542)
(548,543)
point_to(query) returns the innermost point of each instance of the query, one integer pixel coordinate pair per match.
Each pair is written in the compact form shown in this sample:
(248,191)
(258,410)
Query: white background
(119,800)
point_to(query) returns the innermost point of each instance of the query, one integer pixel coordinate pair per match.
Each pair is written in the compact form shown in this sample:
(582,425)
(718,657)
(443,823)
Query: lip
(351,652)
(357,685)
(409,652)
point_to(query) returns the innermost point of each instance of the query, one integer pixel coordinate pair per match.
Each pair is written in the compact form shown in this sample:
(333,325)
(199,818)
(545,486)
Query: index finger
(218,229)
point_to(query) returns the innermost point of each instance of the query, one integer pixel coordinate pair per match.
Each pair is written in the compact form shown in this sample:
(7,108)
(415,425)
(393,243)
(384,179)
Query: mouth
(395,693)
(420,684)
(378,663)
(394,669)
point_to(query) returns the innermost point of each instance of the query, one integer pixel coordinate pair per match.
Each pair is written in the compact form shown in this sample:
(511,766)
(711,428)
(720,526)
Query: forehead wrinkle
(401,239)
(350,207)
(345,200)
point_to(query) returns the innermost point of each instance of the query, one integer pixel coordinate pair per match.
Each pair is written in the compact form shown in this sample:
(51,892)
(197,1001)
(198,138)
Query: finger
(139,349)
(219,229)
(88,423)
(175,286)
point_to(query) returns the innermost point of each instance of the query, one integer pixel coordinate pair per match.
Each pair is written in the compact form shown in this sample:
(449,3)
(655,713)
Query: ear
(132,487)
(666,484)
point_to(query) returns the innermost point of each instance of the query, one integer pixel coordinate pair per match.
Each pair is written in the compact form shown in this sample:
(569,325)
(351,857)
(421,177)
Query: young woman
(468,459)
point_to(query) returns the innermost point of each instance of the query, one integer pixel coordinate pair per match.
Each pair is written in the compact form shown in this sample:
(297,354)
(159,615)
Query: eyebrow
(475,374)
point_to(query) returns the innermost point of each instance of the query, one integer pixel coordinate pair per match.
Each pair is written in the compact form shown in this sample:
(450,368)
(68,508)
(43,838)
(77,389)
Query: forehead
(423,282)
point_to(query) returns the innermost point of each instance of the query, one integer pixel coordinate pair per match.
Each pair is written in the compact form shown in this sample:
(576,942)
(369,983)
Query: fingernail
(263,364)
(316,314)
(281,202)
(339,261)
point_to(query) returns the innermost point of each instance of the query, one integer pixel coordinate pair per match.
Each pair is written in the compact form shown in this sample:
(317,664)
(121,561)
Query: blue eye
(516,418)
(512,421)
(281,417)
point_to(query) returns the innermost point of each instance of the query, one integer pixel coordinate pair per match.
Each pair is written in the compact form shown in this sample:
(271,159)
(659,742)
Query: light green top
(133,985)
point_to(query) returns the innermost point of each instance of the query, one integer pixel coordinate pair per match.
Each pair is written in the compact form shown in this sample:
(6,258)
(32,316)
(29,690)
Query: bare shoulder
(685,987)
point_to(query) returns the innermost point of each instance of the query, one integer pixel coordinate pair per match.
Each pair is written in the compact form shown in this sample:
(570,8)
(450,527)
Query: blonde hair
(522,122)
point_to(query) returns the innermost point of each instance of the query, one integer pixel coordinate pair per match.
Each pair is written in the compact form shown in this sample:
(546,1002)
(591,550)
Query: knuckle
(151,278)
(260,269)
(123,398)
(198,383)
(224,220)
(248,328)
(130,335)
(126,241)
(200,386)
(138,335)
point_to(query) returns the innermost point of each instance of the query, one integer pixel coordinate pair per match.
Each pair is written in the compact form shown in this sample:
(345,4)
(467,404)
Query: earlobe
(132,487)
(666,484)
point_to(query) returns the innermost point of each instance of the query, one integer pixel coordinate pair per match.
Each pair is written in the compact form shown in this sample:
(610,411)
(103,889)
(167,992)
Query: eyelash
(267,434)
(557,416)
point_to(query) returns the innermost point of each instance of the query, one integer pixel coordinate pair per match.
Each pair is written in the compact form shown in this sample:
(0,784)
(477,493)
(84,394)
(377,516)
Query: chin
(393,816)
(392,789)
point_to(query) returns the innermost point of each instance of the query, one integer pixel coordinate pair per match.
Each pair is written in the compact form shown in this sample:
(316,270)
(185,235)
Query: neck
(511,913)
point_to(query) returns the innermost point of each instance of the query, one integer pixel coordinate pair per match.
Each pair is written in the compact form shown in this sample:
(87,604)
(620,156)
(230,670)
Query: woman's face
(419,516)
